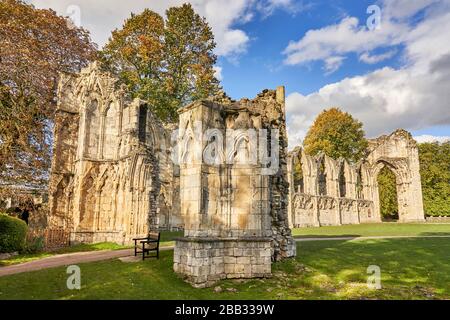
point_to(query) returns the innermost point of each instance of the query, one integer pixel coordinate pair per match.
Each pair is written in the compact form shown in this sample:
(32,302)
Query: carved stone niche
(225,199)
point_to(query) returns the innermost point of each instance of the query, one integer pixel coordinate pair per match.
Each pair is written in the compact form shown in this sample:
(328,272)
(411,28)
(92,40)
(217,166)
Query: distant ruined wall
(336,192)
(111,173)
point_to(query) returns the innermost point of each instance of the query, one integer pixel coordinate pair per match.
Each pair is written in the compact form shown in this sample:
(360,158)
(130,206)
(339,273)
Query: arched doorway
(392,197)
(398,151)
(387,192)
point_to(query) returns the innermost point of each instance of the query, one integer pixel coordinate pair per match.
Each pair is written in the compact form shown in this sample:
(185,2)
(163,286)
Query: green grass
(26,257)
(167,240)
(374,229)
(410,269)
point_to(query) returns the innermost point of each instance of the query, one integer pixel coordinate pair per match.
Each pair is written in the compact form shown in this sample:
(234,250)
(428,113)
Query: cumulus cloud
(371,59)
(218,73)
(332,64)
(100,17)
(342,38)
(430,138)
(414,96)
(293,6)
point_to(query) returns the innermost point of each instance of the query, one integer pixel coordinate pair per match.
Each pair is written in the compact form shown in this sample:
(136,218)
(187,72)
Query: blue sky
(393,76)
(262,66)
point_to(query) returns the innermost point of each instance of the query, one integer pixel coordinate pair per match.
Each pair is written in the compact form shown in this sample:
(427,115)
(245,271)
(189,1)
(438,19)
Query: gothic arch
(343,178)
(87,206)
(240,153)
(322,176)
(399,152)
(110,131)
(91,128)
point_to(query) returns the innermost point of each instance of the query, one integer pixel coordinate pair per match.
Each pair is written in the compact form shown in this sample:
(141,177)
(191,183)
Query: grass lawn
(167,239)
(335,269)
(374,229)
(22,258)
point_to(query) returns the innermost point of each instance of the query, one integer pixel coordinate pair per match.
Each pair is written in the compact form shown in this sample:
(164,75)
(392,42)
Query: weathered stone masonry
(335,192)
(235,216)
(111,178)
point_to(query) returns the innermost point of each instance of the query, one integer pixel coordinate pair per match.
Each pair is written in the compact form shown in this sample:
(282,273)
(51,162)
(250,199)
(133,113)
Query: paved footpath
(64,260)
(68,259)
(83,257)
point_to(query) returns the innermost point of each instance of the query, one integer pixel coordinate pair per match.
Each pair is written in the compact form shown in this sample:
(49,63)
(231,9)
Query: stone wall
(442,219)
(205,261)
(112,178)
(336,192)
(233,188)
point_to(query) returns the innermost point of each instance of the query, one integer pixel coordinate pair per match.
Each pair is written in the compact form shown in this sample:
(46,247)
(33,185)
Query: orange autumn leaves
(35,45)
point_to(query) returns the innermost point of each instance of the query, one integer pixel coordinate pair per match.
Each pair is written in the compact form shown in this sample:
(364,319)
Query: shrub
(13,232)
(34,245)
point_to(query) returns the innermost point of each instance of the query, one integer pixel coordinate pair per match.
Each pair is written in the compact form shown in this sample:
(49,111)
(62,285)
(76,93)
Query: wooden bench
(147,245)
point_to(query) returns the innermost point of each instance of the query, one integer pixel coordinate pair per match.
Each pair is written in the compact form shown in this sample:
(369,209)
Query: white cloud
(339,39)
(429,138)
(218,73)
(352,35)
(100,17)
(293,6)
(332,64)
(372,59)
(414,96)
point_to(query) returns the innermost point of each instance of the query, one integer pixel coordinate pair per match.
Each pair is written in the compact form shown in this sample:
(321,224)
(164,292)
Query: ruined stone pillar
(234,204)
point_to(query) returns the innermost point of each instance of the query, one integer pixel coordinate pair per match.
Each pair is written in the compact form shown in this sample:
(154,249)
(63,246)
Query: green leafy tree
(167,63)
(387,187)
(337,134)
(435,174)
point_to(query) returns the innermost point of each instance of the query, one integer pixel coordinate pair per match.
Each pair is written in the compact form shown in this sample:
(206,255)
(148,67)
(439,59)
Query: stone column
(224,199)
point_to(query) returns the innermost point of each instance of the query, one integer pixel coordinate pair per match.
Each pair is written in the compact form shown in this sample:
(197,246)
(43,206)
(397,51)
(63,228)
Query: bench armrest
(137,239)
(149,241)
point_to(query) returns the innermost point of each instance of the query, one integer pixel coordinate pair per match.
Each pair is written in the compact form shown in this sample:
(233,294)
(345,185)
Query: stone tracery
(113,177)
(398,151)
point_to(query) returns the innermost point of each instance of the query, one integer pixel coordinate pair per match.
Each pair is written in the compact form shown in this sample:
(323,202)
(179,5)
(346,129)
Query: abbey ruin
(112,178)
(336,192)
(223,175)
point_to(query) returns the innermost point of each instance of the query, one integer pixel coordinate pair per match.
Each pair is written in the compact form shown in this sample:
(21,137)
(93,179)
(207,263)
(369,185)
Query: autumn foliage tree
(337,134)
(168,63)
(35,45)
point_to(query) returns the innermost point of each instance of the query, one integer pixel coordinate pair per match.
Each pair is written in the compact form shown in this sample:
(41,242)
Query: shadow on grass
(410,269)
(428,234)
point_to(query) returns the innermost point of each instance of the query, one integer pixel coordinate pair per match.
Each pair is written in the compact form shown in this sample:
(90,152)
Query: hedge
(13,232)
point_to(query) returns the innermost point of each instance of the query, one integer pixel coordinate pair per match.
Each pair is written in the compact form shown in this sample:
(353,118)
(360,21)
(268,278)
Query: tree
(167,63)
(35,45)
(337,134)
(435,175)
(387,187)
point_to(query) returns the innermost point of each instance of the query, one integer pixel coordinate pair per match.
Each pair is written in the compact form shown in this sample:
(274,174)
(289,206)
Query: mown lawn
(374,229)
(167,239)
(410,269)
